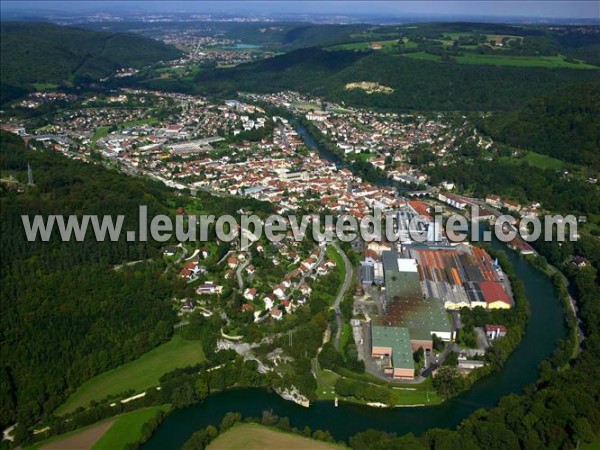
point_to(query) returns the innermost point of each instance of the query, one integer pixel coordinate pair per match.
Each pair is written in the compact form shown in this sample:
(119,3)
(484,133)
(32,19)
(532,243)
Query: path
(239,270)
(225,257)
(341,293)
(574,308)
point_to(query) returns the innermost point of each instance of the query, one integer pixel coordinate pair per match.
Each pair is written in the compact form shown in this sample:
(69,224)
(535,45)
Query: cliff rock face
(293,395)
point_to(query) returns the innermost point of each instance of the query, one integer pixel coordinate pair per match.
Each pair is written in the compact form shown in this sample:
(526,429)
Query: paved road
(238,273)
(341,293)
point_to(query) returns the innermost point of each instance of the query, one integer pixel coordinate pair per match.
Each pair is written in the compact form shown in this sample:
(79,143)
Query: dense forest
(45,53)
(523,183)
(67,314)
(421,85)
(564,124)
(562,409)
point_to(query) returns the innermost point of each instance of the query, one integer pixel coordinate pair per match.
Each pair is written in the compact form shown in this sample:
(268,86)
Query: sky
(490,8)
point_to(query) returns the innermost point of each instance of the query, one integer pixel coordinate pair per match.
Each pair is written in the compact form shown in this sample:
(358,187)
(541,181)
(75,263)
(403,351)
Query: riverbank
(543,332)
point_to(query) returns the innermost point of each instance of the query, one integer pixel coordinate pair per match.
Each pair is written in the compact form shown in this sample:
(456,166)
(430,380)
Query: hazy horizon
(588,10)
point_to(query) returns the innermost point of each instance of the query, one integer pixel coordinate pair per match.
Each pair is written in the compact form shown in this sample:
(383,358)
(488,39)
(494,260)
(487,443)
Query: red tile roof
(493,292)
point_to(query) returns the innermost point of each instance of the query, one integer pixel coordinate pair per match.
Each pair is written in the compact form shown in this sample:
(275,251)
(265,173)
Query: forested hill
(67,315)
(564,124)
(417,84)
(46,53)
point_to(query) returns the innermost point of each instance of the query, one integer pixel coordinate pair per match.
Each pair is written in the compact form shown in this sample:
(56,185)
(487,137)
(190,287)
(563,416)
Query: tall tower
(30,181)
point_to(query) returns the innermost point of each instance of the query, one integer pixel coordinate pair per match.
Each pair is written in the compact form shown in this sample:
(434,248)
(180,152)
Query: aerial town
(266,225)
(414,291)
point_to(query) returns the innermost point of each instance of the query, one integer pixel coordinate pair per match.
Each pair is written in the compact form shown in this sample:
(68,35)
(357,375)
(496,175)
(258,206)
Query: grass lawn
(415,394)
(591,446)
(136,375)
(366,45)
(542,161)
(550,62)
(326,384)
(402,394)
(45,86)
(346,335)
(111,433)
(252,436)
(127,428)
(423,56)
(85,436)
(138,122)
(99,133)
(538,160)
(332,254)
(363,156)
(306,106)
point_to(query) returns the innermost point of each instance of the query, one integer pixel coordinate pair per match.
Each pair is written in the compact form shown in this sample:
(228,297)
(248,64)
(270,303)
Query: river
(544,329)
(339,162)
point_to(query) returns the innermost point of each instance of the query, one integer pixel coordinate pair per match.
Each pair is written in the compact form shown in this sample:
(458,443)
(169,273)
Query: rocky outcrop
(293,395)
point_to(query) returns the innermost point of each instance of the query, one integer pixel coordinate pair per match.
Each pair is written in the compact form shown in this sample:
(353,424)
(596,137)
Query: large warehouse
(393,345)
(406,305)
(421,283)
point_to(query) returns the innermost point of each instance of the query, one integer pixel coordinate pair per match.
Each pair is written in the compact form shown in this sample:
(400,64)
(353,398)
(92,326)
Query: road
(238,273)
(341,294)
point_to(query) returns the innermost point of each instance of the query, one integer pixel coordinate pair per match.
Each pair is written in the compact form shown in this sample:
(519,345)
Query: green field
(346,335)
(538,160)
(366,45)
(80,434)
(99,133)
(138,122)
(45,86)
(591,446)
(549,62)
(332,254)
(127,428)
(252,436)
(423,56)
(403,394)
(136,375)
(307,106)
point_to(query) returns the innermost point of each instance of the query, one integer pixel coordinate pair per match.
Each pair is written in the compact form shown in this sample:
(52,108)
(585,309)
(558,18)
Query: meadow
(252,436)
(402,394)
(365,45)
(549,62)
(138,375)
(127,428)
(109,434)
(538,160)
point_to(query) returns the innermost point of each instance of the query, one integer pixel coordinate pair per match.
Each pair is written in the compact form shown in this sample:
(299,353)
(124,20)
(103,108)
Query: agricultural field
(422,56)
(538,160)
(252,436)
(127,428)
(109,434)
(137,375)
(549,62)
(366,45)
(45,86)
(83,438)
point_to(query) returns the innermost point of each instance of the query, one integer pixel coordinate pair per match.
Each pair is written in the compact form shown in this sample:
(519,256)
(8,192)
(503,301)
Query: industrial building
(392,344)
(461,276)
(405,304)
(371,272)
(420,283)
